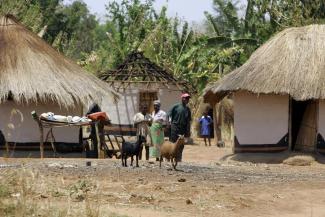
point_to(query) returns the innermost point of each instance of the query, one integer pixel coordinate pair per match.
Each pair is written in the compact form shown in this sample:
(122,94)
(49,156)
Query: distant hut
(34,76)
(279,93)
(140,81)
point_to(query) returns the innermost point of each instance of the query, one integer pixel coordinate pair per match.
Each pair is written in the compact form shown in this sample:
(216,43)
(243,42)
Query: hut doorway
(147,98)
(303,132)
(210,113)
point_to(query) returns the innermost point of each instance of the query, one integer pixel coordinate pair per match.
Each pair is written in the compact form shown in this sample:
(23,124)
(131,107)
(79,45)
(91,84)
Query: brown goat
(170,150)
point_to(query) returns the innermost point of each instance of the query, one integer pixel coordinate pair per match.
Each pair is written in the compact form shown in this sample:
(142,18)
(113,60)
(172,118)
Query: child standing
(205,125)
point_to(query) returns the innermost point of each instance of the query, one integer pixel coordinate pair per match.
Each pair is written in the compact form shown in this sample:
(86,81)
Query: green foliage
(72,30)
(69,28)
(129,26)
(29,12)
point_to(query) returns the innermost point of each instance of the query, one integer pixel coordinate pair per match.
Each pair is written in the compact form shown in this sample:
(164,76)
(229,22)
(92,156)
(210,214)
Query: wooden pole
(317,124)
(98,140)
(215,123)
(36,118)
(101,138)
(290,124)
(41,139)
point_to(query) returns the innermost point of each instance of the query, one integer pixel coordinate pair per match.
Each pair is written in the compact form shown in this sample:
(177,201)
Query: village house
(139,81)
(34,76)
(279,94)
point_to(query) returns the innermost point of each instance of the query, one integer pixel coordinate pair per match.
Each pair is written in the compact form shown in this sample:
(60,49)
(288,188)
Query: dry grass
(227,189)
(26,193)
(31,70)
(300,160)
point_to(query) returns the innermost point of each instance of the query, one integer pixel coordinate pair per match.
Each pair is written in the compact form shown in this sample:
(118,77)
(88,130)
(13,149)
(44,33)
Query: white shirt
(142,126)
(160,116)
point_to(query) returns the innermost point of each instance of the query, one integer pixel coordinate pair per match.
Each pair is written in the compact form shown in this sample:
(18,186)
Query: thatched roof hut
(140,81)
(279,93)
(292,62)
(31,70)
(34,76)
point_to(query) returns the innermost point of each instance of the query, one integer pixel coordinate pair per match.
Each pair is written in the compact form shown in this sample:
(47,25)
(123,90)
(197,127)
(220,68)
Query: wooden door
(306,138)
(147,98)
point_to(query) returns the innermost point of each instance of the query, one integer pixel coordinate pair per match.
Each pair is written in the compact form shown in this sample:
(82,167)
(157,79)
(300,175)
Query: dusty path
(206,186)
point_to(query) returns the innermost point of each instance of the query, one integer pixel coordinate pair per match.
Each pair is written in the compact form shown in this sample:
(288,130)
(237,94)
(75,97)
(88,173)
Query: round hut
(279,93)
(34,76)
(140,81)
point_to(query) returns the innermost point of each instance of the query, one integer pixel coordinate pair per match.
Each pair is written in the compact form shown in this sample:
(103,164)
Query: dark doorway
(303,125)
(147,98)
(210,113)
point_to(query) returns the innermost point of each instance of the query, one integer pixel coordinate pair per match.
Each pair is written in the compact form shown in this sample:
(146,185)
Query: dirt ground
(211,182)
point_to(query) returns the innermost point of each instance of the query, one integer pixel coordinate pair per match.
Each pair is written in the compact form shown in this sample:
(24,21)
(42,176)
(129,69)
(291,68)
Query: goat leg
(160,159)
(175,165)
(123,163)
(132,161)
(122,160)
(125,158)
(137,160)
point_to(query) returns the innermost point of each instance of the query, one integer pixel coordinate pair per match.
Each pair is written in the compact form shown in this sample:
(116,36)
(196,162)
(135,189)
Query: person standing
(93,108)
(141,121)
(157,128)
(205,125)
(180,120)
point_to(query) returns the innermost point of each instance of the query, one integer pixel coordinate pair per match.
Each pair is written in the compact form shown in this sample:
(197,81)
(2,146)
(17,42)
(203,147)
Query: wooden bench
(114,135)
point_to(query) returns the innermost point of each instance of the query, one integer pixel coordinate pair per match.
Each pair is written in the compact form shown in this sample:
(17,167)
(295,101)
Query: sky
(189,10)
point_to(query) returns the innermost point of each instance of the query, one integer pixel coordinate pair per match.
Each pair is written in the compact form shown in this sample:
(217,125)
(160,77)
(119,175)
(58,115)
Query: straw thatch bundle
(292,62)
(31,70)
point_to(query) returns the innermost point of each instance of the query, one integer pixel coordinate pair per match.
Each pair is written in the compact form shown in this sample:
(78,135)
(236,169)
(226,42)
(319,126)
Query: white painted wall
(127,106)
(321,118)
(17,124)
(168,98)
(123,111)
(260,119)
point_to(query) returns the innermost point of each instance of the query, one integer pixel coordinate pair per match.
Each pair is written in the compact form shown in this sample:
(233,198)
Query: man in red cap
(180,120)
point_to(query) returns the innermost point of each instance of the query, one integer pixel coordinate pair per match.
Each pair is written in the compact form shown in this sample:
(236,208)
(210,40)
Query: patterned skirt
(157,136)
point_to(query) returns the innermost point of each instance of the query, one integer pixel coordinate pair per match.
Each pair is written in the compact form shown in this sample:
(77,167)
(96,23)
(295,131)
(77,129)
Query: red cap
(184,95)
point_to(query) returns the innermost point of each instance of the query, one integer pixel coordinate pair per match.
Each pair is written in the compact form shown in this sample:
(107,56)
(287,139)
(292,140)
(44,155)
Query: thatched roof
(137,69)
(292,62)
(31,70)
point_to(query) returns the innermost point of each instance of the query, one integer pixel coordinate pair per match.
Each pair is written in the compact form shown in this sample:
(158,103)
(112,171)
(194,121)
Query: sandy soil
(211,182)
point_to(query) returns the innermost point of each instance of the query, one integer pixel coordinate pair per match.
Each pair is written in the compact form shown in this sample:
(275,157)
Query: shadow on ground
(276,158)
(36,154)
